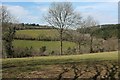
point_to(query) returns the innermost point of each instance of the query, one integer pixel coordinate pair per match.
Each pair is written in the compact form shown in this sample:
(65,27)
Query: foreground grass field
(50,45)
(45,66)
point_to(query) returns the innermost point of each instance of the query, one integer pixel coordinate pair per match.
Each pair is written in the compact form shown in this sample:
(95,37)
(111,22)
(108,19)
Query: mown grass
(36,33)
(18,67)
(50,45)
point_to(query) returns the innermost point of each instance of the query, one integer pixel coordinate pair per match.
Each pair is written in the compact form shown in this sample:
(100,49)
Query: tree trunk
(91,43)
(79,47)
(61,50)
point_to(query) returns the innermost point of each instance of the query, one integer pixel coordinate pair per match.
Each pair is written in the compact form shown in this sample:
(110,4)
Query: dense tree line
(103,31)
(25,26)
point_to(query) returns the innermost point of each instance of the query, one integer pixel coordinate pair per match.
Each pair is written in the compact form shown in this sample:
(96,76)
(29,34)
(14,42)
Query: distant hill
(107,31)
(103,31)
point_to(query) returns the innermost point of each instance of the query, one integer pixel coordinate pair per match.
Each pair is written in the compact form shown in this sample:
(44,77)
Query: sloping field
(50,66)
(62,59)
(38,33)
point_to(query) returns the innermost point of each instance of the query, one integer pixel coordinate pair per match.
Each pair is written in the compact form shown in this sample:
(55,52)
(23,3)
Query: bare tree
(92,23)
(8,29)
(80,37)
(5,17)
(62,15)
(77,38)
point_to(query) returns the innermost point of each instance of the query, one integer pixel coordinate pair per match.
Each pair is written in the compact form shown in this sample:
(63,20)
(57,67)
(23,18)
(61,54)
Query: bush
(42,50)
(52,53)
(71,50)
(23,52)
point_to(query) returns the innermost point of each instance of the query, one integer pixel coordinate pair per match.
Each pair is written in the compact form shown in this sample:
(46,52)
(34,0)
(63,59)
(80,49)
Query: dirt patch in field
(77,70)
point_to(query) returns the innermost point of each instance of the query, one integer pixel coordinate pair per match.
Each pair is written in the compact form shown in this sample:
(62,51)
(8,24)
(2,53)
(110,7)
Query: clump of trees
(8,30)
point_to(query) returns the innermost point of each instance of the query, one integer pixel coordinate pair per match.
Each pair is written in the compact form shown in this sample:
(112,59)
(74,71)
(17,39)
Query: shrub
(71,50)
(42,50)
(52,53)
(23,52)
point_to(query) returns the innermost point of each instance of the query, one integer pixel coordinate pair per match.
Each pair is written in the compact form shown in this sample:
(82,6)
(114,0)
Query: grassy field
(36,33)
(45,66)
(61,59)
(50,45)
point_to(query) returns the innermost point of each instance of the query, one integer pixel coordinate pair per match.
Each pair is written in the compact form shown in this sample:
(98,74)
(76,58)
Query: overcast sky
(32,12)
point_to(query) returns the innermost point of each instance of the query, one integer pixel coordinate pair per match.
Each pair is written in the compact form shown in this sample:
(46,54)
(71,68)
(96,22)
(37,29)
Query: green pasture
(50,45)
(61,59)
(38,33)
